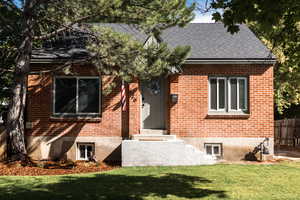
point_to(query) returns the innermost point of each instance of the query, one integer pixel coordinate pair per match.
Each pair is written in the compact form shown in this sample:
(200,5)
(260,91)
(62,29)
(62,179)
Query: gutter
(48,60)
(188,61)
(231,61)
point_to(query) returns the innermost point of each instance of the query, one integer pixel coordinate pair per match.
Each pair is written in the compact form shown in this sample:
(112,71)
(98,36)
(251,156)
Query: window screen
(82,151)
(216,150)
(242,93)
(65,95)
(217,93)
(208,149)
(88,98)
(77,95)
(213,94)
(233,94)
(221,93)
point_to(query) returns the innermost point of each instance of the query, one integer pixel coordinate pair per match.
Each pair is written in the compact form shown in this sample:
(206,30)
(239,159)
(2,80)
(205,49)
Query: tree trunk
(16,149)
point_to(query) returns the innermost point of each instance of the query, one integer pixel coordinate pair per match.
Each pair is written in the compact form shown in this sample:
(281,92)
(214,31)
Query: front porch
(161,150)
(153,145)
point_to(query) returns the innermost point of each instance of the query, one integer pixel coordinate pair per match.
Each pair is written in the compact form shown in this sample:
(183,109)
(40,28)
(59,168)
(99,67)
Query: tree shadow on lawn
(109,186)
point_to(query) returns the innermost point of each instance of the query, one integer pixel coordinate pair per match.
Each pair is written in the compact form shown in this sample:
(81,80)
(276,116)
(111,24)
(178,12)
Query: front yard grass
(222,181)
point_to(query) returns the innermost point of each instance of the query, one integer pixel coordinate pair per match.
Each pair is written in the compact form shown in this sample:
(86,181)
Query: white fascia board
(248,61)
(44,61)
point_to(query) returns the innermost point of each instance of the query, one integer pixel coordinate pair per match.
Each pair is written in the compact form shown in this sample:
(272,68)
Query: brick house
(220,105)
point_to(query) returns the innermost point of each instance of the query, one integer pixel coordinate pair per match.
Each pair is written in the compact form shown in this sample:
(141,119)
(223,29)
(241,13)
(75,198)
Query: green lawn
(280,181)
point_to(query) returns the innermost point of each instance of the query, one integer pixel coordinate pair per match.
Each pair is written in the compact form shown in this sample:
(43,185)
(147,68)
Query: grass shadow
(110,186)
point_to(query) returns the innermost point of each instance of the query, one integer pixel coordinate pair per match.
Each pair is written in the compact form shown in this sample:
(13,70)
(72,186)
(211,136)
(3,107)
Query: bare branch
(64,28)
(3,70)
(12,5)
(206,7)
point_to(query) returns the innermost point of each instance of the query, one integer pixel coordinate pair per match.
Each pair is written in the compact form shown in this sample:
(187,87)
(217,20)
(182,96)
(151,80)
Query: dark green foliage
(28,24)
(277,23)
(114,53)
(8,42)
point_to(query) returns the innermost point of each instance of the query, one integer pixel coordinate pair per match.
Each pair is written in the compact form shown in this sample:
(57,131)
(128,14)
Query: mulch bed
(52,168)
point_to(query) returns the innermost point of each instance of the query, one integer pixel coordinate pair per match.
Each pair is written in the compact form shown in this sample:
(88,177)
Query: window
(228,94)
(214,149)
(85,151)
(76,95)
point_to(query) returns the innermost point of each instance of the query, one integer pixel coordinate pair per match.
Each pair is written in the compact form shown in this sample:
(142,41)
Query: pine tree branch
(64,28)
(12,5)
(6,22)
(3,70)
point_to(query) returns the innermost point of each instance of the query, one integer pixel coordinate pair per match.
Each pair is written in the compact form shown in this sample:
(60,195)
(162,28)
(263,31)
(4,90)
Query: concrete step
(162,153)
(153,131)
(153,137)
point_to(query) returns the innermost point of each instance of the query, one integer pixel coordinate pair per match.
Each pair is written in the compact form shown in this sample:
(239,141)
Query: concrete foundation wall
(162,153)
(106,148)
(109,148)
(233,148)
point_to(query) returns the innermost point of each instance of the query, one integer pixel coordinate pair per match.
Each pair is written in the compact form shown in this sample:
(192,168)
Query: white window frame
(77,94)
(209,94)
(219,145)
(228,94)
(238,94)
(85,150)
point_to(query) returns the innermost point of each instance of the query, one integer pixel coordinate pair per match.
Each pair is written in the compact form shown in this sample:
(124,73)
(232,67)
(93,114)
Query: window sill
(227,115)
(75,119)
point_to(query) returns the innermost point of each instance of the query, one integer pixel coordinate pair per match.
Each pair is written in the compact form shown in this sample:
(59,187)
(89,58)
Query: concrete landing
(153,137)
(153,131)
(162,153)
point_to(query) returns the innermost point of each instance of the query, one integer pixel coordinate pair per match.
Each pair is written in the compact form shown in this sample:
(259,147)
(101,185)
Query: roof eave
(188,61)
(231,61)
(48,60)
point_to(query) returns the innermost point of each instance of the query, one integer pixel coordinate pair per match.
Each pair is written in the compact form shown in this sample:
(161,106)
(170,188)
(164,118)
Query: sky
(201,18)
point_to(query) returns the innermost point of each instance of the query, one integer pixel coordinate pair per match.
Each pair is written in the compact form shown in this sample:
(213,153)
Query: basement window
(85,151)
(214,149)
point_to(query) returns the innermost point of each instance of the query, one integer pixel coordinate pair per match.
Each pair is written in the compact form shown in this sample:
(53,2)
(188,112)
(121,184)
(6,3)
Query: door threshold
(154,131)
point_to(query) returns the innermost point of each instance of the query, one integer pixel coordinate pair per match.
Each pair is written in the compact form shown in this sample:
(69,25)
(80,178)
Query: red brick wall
(39,108)
(134,108)
(189,117)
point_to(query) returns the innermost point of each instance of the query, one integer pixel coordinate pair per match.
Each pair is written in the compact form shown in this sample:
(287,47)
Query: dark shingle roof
(212,41)
(208,41)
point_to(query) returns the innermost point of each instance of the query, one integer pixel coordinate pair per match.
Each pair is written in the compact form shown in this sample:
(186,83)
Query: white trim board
(231,61)
(204,61)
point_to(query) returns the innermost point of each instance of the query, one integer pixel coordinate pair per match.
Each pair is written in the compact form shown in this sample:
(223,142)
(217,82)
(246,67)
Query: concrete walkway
(287,154)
